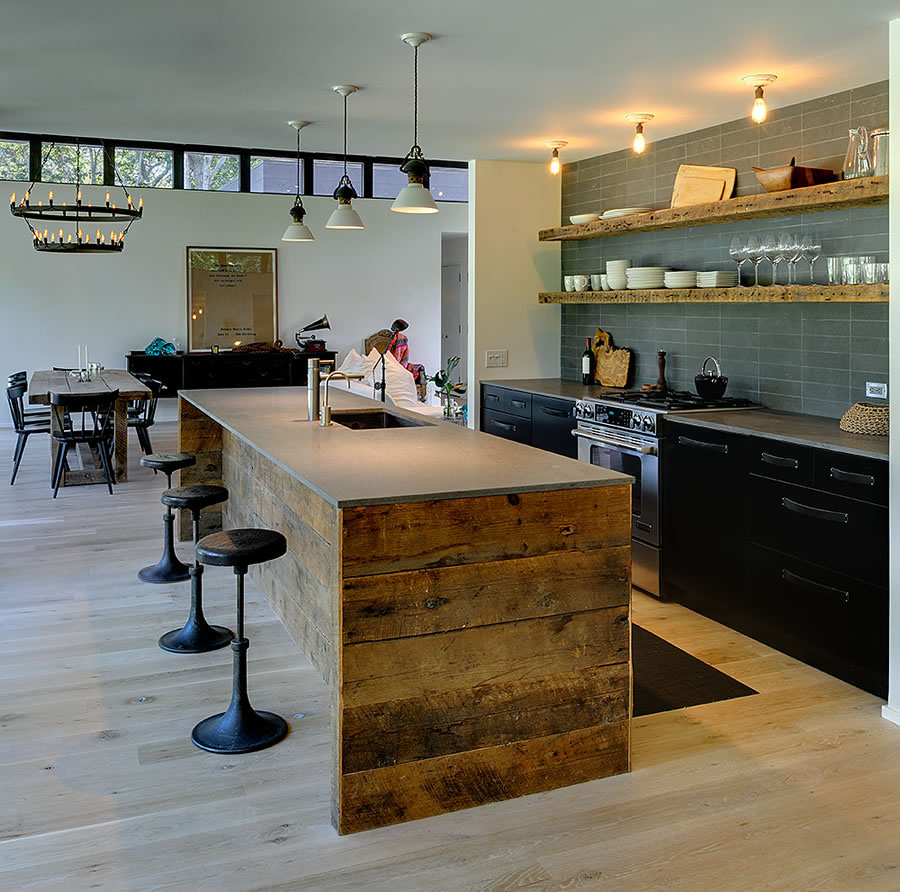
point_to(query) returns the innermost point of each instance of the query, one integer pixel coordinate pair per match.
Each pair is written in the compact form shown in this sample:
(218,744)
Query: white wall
(509,201)
(892,710)
(363,279)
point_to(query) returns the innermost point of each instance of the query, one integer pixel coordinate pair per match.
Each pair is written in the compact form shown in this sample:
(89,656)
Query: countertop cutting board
(698,184)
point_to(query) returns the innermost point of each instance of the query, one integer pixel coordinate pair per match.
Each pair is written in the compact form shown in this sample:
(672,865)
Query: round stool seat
(238,548)
(194,497)
(168,461)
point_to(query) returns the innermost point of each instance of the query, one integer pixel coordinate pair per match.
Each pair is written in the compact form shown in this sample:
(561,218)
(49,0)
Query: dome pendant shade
(343,216)
(414,199)
(297,231)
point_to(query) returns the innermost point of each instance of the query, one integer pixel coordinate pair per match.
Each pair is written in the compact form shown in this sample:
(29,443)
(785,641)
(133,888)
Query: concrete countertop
(556,387)
(371,467)
(791,427)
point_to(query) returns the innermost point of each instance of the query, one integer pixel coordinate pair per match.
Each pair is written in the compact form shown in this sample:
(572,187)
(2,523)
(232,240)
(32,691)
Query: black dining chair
(83,418)
(142,413)
(31,414)
(23,426)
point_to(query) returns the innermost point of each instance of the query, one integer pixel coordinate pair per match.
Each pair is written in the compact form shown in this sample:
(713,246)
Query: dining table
(45,382)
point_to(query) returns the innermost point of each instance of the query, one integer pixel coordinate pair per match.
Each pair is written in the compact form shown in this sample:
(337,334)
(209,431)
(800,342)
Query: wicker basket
(866,418)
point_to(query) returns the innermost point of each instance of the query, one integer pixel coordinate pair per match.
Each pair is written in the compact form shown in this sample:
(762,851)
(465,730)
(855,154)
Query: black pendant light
(297,230)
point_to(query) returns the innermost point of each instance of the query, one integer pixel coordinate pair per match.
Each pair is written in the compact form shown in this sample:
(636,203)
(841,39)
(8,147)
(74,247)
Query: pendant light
(414,198)
(343,216)
(556,145)
(640,143)
(297,231)
(759,112)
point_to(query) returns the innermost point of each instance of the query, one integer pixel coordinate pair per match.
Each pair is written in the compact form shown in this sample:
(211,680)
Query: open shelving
(745,294)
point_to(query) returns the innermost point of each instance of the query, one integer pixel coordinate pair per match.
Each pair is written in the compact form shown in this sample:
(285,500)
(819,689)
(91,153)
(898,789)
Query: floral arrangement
(443,382)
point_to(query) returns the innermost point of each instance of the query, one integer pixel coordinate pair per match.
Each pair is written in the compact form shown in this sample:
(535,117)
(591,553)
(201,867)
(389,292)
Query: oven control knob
(649,423)
(636,421)
(588,411)
(579,410)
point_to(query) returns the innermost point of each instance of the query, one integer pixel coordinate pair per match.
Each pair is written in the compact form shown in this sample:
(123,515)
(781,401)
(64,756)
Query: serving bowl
(777,179)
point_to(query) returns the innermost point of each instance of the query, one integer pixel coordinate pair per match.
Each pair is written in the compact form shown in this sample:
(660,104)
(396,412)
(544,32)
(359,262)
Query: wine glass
(811,248)
(772,252)
(791,245)
(785,241)
(754,252)
(738,253)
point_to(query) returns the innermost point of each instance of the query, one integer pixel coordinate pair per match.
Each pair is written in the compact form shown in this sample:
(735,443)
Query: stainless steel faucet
(313,379)
(348,377)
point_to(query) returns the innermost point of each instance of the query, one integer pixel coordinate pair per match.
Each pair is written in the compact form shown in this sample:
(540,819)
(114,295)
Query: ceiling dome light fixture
(298,231)
(556,145)
(640,143)
(414,198)
(343,216)
(759,112)
(75,216)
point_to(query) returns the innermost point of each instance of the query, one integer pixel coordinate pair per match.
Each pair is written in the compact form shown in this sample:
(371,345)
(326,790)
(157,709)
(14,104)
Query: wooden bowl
(777,179)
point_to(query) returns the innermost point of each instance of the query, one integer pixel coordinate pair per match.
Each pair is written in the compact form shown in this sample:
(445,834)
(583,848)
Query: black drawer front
(517,402)
(782,461)
(492,397)
(236,371)
(832,622)
(844,535)
(852,475)
(552,423)
(510,427)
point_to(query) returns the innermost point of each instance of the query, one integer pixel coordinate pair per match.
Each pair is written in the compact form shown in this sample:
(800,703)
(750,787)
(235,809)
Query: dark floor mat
(665,677)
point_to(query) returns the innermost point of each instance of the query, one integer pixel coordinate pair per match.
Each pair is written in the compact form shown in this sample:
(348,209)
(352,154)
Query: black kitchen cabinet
(531,418)
(704,521)
(169,370)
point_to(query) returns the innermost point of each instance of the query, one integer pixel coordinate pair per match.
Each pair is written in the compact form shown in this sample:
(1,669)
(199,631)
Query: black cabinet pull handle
(519,404)
(491,397)
(700,444)
(779,461)
(556,413)
(850,477)
(818,513)
(503,425)
(646,527)
(802,582)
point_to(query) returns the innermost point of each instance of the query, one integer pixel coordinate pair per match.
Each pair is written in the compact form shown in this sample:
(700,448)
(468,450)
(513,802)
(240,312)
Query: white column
(509,201)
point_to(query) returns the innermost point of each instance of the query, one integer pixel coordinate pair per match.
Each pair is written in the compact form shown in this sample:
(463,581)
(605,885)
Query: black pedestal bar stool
(240,729)
(197,635)
(168,568)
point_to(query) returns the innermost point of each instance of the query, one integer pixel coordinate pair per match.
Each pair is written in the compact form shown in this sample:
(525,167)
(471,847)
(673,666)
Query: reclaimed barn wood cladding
(201,436)
(476,648)
(469,675)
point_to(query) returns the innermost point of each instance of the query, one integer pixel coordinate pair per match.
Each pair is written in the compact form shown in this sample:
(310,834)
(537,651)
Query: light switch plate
(496,359)
(877,389)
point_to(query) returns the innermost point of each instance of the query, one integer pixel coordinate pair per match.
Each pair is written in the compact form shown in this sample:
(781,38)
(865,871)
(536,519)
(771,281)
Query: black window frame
(36,141)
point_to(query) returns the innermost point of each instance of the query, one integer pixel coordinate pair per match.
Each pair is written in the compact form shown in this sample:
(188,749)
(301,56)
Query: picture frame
(232,297)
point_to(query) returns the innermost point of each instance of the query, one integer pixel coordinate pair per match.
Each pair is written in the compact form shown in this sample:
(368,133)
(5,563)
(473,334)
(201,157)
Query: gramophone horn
(317,325)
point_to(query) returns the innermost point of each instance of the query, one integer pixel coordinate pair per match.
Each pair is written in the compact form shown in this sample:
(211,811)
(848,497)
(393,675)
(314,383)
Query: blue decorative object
(159,347)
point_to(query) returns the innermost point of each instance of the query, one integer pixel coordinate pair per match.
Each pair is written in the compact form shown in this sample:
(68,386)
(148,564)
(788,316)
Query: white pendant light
(343,216)
(759,112)
(640,143)
(297,230)
(556,145)
(415,198)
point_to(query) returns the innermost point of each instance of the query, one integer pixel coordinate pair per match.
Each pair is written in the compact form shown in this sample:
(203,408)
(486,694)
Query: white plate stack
(717,279)
(624,212)
(640,277)
(681,278)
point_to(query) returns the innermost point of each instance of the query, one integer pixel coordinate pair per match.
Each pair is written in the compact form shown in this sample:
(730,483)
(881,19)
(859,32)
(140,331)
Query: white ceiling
(500,77)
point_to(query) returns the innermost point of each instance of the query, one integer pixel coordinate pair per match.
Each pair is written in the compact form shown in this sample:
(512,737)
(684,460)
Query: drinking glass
(771,252)
(811,249)
(738,253)
(755,254)
(791,247)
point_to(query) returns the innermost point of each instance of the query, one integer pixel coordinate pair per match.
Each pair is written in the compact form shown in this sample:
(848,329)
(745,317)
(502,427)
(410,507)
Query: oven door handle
(614,443)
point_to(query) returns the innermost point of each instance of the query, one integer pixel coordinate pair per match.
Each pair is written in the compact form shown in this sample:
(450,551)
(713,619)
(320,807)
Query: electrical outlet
(877,389)
(496,359)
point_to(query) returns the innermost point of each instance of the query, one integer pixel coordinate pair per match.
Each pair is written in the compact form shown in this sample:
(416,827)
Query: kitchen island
(466,599)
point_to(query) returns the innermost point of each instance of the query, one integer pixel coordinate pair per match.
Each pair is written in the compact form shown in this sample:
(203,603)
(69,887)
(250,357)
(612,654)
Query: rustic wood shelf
(862,192)
(750,294)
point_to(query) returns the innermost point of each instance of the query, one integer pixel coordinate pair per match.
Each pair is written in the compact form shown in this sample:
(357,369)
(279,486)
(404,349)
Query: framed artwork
(232,297)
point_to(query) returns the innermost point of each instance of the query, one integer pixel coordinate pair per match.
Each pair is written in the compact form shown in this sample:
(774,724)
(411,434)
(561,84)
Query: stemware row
(789,247)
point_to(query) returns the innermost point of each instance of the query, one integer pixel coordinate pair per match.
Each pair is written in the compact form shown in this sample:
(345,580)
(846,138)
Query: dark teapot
(709,385)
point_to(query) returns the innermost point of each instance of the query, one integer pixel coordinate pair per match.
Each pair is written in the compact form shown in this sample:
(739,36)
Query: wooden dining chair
(23,426)
(83,419)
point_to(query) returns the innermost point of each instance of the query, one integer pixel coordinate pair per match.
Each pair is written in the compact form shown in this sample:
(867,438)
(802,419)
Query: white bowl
(616,281)
(584,218)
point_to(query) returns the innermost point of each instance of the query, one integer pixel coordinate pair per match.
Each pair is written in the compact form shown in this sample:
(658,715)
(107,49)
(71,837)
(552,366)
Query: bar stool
(241,729)
(168,568)
(197,635)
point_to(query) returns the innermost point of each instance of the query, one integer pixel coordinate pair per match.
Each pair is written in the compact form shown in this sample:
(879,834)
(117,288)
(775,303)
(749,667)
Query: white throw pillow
(401,386)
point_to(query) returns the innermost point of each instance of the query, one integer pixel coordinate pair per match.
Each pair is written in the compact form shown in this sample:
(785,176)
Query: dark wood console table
(197,371)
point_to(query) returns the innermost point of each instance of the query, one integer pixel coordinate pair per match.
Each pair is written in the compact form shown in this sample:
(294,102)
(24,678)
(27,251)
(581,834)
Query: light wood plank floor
(796,788)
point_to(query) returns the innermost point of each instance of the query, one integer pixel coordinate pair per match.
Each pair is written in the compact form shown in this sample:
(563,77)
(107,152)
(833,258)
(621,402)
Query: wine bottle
(587,362)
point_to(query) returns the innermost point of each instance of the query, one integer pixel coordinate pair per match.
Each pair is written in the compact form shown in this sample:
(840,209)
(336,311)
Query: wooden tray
(698,184)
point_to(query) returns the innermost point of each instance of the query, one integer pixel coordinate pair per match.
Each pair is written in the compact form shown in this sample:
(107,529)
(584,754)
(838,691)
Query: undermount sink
(373,419)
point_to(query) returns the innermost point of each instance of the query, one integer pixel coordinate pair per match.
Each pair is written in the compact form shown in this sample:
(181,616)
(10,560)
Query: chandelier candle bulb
(51,198)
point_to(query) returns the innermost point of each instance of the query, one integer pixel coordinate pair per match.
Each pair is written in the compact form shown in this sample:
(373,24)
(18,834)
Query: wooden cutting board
(697,184)
(611,364)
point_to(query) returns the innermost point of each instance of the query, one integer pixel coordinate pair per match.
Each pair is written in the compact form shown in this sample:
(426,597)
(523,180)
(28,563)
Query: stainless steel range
(625,432)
